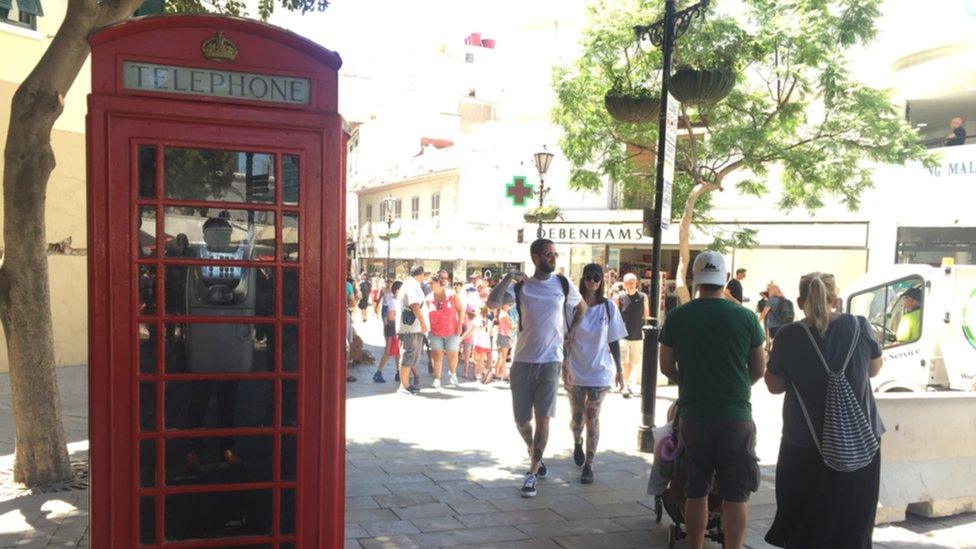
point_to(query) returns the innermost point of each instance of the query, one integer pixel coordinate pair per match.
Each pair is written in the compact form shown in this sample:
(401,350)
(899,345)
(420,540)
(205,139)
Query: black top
(793,358)
(735,288)
(632,311)
(959,139)
(365,287)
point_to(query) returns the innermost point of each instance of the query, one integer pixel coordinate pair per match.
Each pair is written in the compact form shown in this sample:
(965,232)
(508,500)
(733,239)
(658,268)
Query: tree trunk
(25,302)
(41,456)
(684,239)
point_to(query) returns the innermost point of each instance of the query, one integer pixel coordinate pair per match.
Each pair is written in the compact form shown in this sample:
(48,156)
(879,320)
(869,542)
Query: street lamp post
(542,160)
(662,34)
(388,203)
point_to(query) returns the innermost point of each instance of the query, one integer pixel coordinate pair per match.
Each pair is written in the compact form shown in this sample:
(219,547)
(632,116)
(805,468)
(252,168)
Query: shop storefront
(785,250)
(621,246)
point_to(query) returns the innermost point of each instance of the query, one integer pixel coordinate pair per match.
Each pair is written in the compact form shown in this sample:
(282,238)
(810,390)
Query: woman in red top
(445,312)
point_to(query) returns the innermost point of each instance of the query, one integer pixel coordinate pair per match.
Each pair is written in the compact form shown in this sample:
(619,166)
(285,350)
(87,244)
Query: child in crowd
(482,346)
(504,340)
(467,342)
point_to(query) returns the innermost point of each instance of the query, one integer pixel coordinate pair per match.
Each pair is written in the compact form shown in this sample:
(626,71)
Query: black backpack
(563,281)
(784,312)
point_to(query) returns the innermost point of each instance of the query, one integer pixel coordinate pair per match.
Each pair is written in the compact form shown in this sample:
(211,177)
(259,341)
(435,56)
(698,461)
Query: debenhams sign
(215,83)
(591,233)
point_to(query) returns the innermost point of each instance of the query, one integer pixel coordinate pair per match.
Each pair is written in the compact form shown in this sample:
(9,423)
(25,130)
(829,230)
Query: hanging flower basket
(630,108)
(545,213)
(390,235)
(701,86)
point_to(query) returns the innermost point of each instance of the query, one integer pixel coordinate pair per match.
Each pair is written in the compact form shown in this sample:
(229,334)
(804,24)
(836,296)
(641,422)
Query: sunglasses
(593,278)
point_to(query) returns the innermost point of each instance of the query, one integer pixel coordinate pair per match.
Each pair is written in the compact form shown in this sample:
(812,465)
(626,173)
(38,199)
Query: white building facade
(914,213)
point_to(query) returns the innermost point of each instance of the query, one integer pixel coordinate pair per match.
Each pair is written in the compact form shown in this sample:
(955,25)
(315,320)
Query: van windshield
(894,310)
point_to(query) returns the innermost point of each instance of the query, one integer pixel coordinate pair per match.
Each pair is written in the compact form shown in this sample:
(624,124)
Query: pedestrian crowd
(589,336)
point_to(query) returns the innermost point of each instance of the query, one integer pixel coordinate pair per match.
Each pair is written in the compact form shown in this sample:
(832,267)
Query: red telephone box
(216,310)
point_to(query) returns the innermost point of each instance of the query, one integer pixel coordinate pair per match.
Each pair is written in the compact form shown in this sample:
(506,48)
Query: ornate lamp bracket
(682,19)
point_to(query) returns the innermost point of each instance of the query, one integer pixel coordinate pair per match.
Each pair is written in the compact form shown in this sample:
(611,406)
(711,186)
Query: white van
(925,318)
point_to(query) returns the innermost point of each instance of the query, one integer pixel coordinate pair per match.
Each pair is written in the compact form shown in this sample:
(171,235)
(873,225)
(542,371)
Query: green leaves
(240,8)
(795,104)
(725,242)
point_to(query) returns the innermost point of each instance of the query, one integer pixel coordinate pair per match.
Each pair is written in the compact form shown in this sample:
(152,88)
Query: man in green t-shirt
(713,348)
(910,325)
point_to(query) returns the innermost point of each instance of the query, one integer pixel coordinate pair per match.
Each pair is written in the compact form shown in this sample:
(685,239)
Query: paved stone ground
(443,469)
(56,516)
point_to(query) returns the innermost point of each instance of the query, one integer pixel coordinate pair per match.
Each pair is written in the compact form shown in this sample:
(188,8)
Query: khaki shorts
(631,351)
(410,348)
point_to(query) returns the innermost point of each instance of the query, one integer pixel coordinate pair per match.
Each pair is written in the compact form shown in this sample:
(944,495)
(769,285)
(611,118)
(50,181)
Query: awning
(6,4)
(30,6)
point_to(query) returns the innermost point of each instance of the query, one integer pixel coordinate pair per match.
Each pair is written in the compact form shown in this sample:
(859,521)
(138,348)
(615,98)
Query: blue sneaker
(378,377)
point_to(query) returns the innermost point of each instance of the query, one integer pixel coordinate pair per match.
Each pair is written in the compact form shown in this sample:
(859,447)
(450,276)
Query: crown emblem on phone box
(220,48)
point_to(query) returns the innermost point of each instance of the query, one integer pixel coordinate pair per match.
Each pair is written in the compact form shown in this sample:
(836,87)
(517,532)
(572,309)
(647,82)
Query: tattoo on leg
(577,407)
(525,429)
(593,425)
(541,438)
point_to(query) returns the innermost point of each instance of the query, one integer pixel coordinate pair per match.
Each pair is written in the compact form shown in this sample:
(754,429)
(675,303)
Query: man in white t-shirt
(411,327)
(549,306)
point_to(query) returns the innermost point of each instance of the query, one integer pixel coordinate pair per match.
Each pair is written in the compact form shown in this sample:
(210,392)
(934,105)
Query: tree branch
(692,146)
(113,11)
(729,168)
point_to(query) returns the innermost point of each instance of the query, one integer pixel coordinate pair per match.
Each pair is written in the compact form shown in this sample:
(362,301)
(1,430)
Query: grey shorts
(410,347)
(534,388)
(723,448)
(504,342)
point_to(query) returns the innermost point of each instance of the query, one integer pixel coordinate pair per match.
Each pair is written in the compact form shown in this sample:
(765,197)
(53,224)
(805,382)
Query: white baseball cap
(710,268)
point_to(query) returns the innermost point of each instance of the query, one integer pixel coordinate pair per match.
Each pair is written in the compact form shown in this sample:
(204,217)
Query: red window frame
(128,135)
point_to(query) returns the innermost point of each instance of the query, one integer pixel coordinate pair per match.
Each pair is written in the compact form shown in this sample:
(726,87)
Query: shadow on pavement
(401,495)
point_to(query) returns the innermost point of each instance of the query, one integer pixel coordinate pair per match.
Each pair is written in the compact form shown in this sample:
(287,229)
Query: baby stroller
(667,484)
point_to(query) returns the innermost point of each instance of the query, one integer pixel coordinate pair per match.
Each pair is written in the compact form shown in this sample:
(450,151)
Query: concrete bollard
(928,455)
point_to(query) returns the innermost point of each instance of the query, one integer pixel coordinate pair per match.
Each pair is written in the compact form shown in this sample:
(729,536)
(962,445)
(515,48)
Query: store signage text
(670,145)
(624,233)
(965,167)
(215,83)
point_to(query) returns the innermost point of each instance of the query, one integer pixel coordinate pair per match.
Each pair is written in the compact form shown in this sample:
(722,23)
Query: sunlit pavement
(443,469)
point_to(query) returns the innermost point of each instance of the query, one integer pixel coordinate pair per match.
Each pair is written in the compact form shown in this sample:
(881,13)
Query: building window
(369,213)
(25,14)
(415,207)
(933,244)
(435,205)
(398,209)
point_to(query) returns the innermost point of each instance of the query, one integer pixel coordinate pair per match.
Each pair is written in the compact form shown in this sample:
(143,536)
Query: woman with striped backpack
(829,465)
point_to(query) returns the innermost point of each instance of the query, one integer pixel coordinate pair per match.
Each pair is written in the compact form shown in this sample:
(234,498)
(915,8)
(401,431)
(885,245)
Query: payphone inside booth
(216,287)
